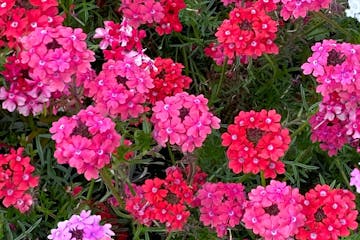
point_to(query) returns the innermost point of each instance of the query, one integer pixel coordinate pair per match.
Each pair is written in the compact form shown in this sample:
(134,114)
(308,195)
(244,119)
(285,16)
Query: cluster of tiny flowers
(85,141)
(84,226)
(183,120)
(168,79)
(216,52)
(55,55)
(256,142)
(122,86)
(221,205)
(274,211)
(120,38)
(162,13)
(334,65)
(354,9)
(330,214)
(248,31)
(18,18)
(45,68)
(299,8)
(355,179)
(163,200)
(16,180)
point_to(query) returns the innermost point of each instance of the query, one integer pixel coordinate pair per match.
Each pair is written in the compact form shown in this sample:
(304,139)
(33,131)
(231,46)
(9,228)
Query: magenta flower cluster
(83,226)
(221,205)
(183,120)
(274,211)
(85,141)
(335,66)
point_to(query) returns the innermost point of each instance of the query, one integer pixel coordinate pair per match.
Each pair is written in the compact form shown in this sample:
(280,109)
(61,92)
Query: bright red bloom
(256,142)
(330,213)
(248,31)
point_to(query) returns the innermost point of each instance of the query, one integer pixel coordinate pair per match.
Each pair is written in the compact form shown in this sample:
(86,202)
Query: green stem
(342,172)
(171,154)
(262,178)
(222,76)
(299,130)
(90,191)
(104,173)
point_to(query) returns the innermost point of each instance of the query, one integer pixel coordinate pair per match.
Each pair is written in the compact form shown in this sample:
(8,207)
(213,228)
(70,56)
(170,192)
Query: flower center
(172,198)
(77,234)
(273,210)
(254,135)
(319,215)
(81,129)
(335,58)
(245,25)
(183,113)
(53,45)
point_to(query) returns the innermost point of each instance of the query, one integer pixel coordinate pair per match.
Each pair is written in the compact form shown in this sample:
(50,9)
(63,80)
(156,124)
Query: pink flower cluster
(335,66)
(168,79)
(221,205)
(83,226)
(49,61)
(85,141)
(330,214)
(183,120)
(120,88)
(300,8)
(163,200)
(274,211)
(16,180)
(256,142)
(18,18)
(120,37)
(355,179)
(248,31)
(162,13)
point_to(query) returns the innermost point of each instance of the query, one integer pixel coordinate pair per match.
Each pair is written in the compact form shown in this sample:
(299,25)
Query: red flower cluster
(85,141)
(162,200)
(330,213)
(163,13)
(168,79)
(221,205)
(256,142)
(20,19)
(248,31)
(120,37)
(16,179)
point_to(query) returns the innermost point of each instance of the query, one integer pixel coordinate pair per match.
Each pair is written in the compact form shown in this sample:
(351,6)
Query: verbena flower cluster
(336,70)
(355,179)
(354,9)
(120,38)
(248,31)
(16,180)
(120,88)
(183,120)
(168,79)
(221,205)
(47,66)
(19,19)
(85,141)
(83,226)
(274,211)
(256,142)
(164,200)
(330,214)
(164,14)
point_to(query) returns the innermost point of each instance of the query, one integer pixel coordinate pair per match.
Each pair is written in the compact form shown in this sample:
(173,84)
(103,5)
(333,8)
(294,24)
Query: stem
(300,129)
(222,76)
(91,188)
(171,154)
(262,178)
(104,173)
(342,172)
